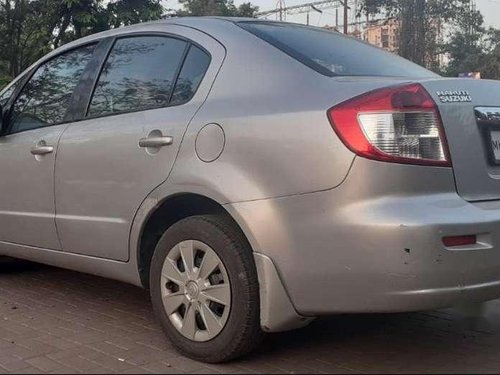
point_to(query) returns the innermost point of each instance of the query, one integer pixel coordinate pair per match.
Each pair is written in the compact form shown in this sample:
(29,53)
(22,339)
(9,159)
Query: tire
(239,320)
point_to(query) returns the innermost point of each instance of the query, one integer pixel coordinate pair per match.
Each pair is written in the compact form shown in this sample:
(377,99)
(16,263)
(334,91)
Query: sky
(489,8)
(491,12)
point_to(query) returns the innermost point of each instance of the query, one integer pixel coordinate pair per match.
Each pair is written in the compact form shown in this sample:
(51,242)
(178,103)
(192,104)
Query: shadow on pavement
(9,265)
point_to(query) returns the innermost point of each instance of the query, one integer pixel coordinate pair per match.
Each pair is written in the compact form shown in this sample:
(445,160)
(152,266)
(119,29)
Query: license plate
(495,145)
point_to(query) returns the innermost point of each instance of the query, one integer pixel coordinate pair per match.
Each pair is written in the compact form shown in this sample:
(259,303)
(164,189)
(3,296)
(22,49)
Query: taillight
(397,124)
(459,240)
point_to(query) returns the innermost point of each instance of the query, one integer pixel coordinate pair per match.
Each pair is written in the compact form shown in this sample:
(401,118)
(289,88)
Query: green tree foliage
(31,28)
(473,48)
(129,12)
(216,8)
(490,64)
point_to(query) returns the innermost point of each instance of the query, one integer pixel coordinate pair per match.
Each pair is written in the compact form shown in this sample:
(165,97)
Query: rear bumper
(374,244)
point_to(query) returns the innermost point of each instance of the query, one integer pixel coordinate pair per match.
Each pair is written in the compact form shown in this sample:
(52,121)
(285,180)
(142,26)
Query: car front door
(150,87)
(34,123)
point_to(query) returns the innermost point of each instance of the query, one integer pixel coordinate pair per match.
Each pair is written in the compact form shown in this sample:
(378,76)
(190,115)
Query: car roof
(200,23)
(204,24)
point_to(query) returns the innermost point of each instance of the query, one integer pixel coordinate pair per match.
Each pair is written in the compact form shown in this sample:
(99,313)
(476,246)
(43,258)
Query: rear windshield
(333,54)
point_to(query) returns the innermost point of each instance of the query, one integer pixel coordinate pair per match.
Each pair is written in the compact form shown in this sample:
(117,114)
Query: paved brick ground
(56,321)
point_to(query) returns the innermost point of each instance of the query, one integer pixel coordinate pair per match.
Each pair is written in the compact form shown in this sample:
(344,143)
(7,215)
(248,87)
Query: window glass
(5,96)
(138,75)
(193,70)
(332,53)
(47,96)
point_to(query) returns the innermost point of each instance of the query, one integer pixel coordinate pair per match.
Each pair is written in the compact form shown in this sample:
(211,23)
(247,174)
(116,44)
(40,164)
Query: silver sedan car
(253,175)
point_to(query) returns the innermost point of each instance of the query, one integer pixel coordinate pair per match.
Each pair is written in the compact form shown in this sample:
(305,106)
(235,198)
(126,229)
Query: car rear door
(150,87)
(35,120)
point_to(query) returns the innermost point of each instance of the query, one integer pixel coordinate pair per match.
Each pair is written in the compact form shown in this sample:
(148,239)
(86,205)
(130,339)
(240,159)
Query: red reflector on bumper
(459,240)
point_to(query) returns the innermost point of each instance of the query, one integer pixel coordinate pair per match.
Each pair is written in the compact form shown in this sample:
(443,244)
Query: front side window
(46,98)
(138,75)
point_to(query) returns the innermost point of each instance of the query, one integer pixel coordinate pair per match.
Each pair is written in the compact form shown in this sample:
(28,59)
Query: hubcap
(192,291)
(196,291)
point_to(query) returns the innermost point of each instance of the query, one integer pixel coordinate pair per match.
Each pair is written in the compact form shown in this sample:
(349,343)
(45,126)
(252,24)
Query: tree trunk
(78,29)
(412,31)
(62,30)
(11,56)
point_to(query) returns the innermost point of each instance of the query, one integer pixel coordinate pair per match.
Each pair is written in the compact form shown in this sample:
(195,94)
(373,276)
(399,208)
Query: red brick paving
(57,321)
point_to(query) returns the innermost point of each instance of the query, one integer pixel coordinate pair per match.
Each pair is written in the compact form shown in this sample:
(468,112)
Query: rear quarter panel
(273,111)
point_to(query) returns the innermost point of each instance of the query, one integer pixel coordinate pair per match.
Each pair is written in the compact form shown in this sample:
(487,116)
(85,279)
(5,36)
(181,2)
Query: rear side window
(46,97)
(192,73)
(138,75)
(333,54)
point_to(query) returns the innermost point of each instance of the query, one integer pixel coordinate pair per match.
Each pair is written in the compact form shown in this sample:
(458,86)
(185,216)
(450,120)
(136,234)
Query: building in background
(383,34)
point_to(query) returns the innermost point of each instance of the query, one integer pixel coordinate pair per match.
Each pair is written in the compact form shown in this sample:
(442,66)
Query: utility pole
(346,17)
(474,9)
(281,8)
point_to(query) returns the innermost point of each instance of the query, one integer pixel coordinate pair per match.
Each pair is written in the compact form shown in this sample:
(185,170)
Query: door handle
(155,142)
(42,150)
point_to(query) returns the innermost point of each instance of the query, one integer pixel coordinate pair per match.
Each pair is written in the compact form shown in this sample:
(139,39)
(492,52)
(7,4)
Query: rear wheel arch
(170,211)
(276,309)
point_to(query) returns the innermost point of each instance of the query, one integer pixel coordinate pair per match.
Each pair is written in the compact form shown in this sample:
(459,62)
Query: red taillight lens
(396,124)
(459,240)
